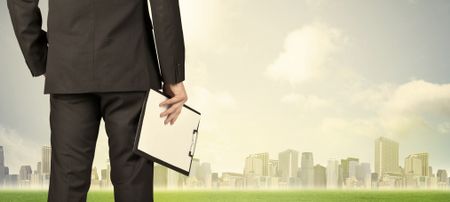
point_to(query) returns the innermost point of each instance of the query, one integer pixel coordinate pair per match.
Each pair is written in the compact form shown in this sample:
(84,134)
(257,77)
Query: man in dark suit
(99,57)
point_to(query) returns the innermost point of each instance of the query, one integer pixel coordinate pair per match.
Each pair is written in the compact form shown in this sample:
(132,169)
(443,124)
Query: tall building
(2,166)
(215,180)
(46,159)
(253,166)
(386,156)
(442,176)
(333,174)
(94,174)
(413,166)
(25,173)
(195,166)
(193,179)
(364,174)
(205,175)
(265,162)
(106,175)
(160,176)
(320,176)
(288,163)
(414,161)
(174,179)
(273,168)
(349,166)
(95,179)
(166,178)
(307,169)
(39,168)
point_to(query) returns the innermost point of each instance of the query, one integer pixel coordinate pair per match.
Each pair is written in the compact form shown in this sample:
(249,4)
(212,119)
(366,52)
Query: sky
(324,76)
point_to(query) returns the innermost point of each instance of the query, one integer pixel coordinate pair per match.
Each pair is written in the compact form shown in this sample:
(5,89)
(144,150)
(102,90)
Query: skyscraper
(195,166)
(94,174)
(307,169)
(413,165)
(364,175)
(173,179)
(204,174)
(39,168)
(160,176)
(25,173)
(320,176)
(349,167)
(386,156)
(273,168)
(106,175)
(414,161)
(46,159)
(215,180)
(253,166)
(442,176)
(332,174)
(265,162)
(288,163)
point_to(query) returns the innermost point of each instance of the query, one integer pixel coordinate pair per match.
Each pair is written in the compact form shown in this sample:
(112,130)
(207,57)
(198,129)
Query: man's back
(101,45)
(93,49)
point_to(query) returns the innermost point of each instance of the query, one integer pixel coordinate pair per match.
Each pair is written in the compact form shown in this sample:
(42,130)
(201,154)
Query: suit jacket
(101,45)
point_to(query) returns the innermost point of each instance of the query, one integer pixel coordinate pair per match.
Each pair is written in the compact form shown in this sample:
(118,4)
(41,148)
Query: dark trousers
(74,124)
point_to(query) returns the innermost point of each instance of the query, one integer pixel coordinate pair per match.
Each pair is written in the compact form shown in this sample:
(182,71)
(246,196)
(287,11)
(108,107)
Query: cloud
(305,52)
(421,96)
(17,150)
(413,108)
(417,105)
(306,102)
(208,100)
(444,128)
(341,127)
(372,98)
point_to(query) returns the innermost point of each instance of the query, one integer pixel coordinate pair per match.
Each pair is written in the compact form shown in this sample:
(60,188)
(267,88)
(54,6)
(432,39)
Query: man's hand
(175,103)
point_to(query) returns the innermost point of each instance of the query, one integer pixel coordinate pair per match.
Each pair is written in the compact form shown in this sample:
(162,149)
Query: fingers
(175,104)
(175,118)
(170,109)
(172,100)
(173,111)
(172,117)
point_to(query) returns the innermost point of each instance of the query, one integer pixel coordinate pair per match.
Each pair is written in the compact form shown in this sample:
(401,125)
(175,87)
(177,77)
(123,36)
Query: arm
(169,39)
(171,54)
(27,22)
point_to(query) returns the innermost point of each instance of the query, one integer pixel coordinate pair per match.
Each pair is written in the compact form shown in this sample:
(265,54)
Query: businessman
(99,57)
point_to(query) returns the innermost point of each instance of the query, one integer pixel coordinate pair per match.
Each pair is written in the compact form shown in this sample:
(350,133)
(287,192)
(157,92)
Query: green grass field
(247,196)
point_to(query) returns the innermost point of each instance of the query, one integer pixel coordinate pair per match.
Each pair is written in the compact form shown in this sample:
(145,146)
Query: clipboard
(172,146)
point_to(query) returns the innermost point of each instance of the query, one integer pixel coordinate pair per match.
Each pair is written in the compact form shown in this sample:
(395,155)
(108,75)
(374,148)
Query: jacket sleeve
(27,22)
(169,39)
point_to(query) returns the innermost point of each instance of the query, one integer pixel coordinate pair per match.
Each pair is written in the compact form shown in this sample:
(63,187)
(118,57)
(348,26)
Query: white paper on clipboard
(170,145)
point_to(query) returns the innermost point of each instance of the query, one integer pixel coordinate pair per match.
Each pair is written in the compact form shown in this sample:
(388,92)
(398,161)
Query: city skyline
(372,161)
(260,171)
(46,151)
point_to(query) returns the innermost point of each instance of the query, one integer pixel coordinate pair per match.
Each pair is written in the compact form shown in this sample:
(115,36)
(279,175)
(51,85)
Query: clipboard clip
(194,141)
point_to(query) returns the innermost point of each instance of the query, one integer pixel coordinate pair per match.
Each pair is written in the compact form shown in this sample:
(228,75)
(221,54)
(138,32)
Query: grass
(247,196)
